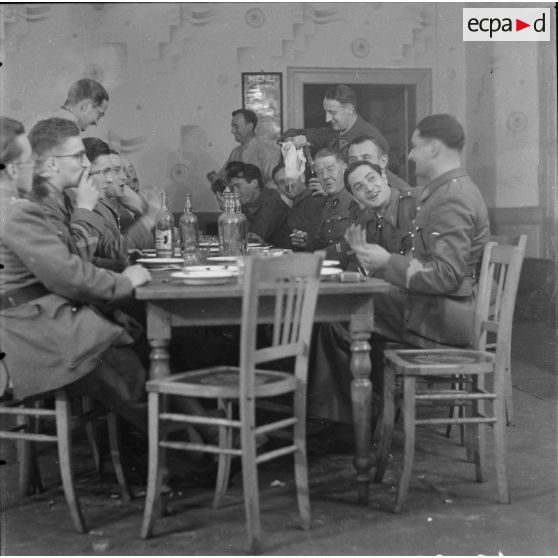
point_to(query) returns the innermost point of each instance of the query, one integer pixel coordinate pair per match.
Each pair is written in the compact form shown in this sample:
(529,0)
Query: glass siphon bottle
(309,171)
(232,227)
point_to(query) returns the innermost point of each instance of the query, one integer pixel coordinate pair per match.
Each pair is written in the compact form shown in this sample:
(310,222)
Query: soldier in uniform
(51,333)
(438,280)
(386,215)
(376,150)
(336,212)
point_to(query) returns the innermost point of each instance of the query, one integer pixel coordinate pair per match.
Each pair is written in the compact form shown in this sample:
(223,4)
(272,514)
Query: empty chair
(28,414)
(465,370)
(279,290)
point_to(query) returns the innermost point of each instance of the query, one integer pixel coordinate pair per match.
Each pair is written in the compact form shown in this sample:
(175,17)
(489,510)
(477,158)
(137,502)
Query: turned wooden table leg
(361,396)
(159,336)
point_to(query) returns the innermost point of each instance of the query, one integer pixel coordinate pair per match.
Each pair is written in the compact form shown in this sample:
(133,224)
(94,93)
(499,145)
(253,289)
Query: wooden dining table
(170,303)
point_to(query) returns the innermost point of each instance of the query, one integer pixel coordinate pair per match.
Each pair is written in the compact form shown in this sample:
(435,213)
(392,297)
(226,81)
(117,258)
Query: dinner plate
(210,268)
(217,277)
(229,259)
(160,262)
(330,271)
(330,263)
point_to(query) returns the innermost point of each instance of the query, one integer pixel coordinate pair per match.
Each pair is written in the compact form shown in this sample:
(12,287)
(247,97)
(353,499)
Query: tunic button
(418,208)
(412,235)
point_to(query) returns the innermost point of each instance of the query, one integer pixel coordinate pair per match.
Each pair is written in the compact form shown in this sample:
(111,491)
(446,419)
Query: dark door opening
(391,108)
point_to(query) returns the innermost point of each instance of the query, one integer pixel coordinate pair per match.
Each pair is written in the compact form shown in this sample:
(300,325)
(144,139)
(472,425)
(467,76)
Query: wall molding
(514,221)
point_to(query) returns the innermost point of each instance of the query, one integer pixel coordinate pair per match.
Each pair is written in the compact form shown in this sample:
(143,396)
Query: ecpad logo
(506,24)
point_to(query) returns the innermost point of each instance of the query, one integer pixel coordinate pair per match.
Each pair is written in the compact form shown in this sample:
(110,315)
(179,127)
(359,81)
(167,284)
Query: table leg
(361,397)
(159,335)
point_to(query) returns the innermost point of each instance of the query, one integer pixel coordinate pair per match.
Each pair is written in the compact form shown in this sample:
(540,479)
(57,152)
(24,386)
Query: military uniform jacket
(335,218)
(451,228)
(393,229)
(57,338)
(267,217)
(306,213)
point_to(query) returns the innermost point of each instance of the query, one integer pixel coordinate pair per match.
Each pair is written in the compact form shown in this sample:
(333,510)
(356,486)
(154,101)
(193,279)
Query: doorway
(392,100)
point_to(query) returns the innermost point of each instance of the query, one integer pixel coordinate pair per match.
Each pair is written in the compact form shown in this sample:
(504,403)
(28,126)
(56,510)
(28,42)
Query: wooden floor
(447,512)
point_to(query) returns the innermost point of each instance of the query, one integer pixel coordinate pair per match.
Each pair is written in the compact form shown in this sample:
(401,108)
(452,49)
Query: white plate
(330,263)
(158,262)
(330,271)
(204,277)
(229,259)
(209,268)
(209,244)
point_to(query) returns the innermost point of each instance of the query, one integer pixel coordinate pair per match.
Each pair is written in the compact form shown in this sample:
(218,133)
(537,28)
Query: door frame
(421,78)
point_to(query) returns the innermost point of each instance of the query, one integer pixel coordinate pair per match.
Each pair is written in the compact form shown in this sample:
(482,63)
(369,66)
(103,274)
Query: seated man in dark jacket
(264,209)
(305,209)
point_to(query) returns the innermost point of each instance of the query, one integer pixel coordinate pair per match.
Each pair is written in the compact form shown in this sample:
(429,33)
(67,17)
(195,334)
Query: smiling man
(336,212)
(252,149)
(345,124)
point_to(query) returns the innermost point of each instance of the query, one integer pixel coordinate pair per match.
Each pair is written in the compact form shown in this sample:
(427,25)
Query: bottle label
(163,242)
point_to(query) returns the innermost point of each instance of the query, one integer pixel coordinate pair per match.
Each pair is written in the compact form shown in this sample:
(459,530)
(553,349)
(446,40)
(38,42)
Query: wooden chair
(282,288)
(466,368)
(28,414)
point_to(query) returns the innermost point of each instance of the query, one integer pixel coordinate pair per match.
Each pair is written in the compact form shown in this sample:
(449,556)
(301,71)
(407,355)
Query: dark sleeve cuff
(396,270)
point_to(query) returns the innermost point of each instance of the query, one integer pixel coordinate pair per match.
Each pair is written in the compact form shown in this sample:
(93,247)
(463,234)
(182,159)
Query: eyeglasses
(78,155)
(105,172)
(30,162)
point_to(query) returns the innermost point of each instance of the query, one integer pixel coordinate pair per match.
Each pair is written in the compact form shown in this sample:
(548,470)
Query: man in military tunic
(438,280)
(336,214)
(386,214)
(51,334)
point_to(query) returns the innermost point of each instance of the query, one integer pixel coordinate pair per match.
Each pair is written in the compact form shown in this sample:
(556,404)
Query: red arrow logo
(519,24)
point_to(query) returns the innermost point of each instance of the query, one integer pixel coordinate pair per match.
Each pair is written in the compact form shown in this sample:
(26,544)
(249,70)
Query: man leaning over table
(52,331)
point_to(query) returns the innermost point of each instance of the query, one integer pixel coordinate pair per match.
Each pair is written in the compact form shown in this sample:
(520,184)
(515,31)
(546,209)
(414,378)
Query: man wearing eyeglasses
(86,103)
(336,212)
(51,335)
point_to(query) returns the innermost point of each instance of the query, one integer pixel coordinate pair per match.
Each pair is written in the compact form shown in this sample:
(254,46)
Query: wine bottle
(164,230)
(189,234)
(309,171)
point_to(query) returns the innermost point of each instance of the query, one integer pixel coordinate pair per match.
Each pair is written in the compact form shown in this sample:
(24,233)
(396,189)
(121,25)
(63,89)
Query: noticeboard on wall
(262,92)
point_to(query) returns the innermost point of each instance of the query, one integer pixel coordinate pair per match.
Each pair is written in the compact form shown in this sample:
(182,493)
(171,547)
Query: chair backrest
(285,288)
(499,279)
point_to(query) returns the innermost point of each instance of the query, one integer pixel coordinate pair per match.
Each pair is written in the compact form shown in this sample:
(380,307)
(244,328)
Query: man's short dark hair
(84,89)
(50,133)
(353,166)
(343,94)
(379,141)
(445,128)
(329,152)
(232,167)
(94,148)
(10,129)
(249,116)
(276,169)
(248,172)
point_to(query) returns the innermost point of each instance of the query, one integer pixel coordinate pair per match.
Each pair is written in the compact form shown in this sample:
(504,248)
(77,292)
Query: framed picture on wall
(262,93)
